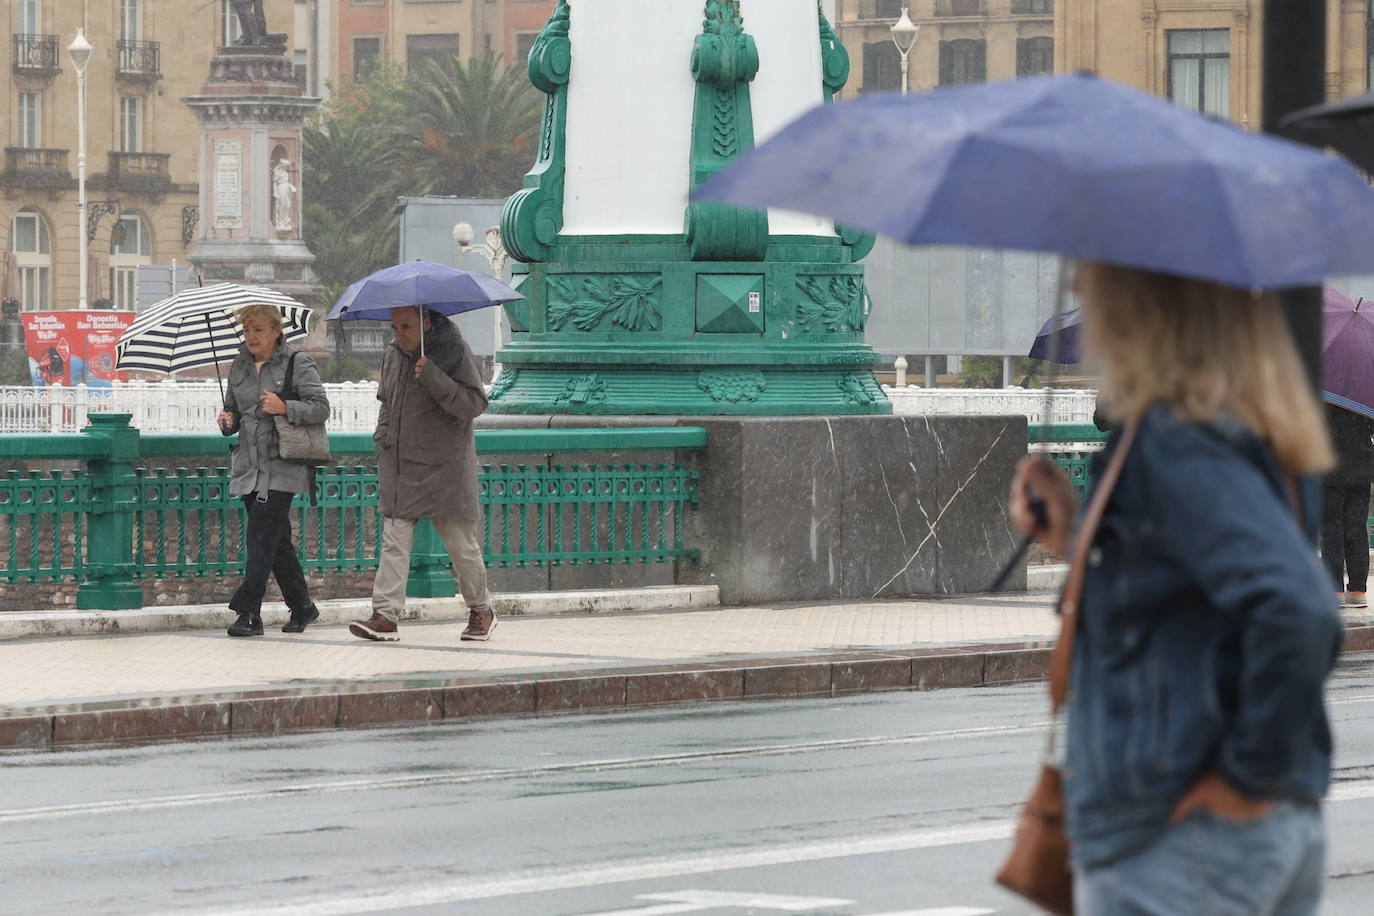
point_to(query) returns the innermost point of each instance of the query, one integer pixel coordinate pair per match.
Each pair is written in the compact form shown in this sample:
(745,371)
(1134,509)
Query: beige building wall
(479,26)
(159,182)
(1125,40)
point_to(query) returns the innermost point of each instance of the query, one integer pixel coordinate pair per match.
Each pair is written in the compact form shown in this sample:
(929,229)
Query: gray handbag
(306,443)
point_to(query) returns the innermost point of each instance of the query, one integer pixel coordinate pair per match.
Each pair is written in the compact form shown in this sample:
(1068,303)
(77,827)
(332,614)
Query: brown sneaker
(376,627)
(481,621)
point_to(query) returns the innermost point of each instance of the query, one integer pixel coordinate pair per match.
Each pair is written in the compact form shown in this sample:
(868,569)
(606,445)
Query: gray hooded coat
(256,466)
(426,458)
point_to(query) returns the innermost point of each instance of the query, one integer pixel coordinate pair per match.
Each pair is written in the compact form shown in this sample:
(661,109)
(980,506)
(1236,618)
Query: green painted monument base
(631,325)
(430,575)
(109,597)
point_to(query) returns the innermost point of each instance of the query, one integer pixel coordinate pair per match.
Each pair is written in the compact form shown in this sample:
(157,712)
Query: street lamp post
(904,33)
(495,252)
(80,53)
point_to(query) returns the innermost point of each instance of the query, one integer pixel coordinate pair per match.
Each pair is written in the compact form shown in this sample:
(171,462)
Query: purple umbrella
(1347,352)
(1066,325)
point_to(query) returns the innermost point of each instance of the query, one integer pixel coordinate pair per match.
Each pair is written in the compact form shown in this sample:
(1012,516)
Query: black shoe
(248,624)
(302,618)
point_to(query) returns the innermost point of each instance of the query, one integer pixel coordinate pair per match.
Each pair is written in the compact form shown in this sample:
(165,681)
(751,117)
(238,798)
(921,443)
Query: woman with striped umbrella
(206,325)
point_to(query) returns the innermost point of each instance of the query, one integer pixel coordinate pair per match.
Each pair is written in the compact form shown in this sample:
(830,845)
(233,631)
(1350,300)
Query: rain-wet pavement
(879,804)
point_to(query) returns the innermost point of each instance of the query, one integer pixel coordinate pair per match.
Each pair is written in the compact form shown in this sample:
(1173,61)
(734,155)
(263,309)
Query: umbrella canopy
(197,327)
(1073,165)
(1347,352)
(446,290)
(1066,325)
(1346,126)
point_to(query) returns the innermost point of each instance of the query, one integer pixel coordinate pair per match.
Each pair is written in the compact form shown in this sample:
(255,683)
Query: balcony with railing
(1032,7)
(881,9)
(35,55)
(140,60)
(31,167)
(139,171)
(952,8)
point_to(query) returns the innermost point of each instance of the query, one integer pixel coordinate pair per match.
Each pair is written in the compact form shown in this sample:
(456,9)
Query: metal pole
(81,181)
(1294,77)
(904,70)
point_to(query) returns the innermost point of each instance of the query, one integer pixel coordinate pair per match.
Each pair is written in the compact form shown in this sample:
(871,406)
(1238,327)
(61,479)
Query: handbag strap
(288,384)
(1062,656)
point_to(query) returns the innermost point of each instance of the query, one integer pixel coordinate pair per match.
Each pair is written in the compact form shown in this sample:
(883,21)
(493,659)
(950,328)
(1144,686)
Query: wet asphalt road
(885,804)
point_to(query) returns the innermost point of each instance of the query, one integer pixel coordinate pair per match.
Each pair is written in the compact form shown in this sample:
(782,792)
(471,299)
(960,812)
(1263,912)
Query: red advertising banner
(74,348)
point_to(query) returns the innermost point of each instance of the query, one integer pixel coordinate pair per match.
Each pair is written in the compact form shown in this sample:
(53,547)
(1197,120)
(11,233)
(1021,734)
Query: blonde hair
(1202,350)
(269,313)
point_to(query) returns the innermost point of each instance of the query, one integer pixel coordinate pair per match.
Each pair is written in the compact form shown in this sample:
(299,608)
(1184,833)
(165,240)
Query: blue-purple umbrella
(1073,165)
(1347,352)
(443,289)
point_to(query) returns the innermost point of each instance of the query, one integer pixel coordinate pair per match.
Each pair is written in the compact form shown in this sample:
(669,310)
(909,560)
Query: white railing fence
(1065,405)
(191,406)
(162,406)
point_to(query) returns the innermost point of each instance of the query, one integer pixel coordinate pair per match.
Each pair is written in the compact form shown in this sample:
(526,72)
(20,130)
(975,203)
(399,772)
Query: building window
(130,124)
(301,66)
(128,20)
(230,30)
(366,53)
(30,120)
(881,9)
(28,244)
(1034,56)
(524,44)
(1200,70)
(29,23)
(963,60)
(441,49)
(130,247)
(882,67)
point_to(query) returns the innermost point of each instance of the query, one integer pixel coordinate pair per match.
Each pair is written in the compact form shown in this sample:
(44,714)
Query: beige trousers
(464,547)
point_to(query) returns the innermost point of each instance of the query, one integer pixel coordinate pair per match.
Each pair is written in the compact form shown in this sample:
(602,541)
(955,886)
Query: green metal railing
(1077,463)
(112,522)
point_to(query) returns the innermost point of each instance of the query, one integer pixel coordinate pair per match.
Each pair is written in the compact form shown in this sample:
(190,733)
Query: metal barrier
(111,523)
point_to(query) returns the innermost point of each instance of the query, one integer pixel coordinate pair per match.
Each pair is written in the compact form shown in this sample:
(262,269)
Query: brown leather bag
(1038,866)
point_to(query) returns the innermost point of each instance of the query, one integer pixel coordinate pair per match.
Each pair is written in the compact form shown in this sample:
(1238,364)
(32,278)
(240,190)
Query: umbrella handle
(215,356)
(420,311)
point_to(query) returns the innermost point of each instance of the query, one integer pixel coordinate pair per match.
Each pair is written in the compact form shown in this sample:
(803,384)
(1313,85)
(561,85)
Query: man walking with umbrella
(430,392)
(1345,542)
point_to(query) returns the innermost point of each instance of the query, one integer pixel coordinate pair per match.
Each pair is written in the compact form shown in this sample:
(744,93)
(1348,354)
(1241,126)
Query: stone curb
(461,699)
(339,612)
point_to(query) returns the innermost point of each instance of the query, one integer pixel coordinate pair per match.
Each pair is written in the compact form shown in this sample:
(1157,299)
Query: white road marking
(696,901)
(544,881)
(1353,791)
(463,777)
(942,911)
(1346,701)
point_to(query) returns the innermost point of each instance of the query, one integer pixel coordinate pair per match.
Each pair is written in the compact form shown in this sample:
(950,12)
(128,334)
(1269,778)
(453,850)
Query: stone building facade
(142,141)
(1202,53)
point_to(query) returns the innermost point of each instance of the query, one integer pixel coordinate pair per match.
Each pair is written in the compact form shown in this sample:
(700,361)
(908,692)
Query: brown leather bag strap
(1062,656)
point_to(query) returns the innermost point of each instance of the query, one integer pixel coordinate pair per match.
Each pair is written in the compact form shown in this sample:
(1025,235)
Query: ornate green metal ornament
(719,318)
(724,61)
(533,216)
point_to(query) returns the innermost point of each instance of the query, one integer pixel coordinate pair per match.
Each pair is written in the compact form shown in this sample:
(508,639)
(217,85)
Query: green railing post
(429,575)
(109,564)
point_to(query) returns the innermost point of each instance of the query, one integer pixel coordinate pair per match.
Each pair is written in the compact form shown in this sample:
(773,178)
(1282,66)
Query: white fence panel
(1065,405)
(162,406)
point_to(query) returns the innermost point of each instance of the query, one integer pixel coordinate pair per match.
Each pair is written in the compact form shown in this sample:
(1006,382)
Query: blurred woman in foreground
(1198,744)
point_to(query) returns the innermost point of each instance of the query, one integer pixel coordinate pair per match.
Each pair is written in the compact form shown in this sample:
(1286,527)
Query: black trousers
(270,552)
(1345,545)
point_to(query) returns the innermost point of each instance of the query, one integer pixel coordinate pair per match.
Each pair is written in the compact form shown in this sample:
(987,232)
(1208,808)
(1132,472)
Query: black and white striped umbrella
(197,327)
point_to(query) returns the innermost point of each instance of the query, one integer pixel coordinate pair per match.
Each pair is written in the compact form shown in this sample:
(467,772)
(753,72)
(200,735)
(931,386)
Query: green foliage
(986,372)
(468,129)
(14,365)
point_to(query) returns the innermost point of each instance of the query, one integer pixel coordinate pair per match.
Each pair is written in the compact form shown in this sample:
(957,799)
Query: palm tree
(471,127)
(353,175)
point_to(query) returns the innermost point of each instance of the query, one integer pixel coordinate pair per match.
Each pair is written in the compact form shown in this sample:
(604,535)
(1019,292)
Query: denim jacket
(1207,629)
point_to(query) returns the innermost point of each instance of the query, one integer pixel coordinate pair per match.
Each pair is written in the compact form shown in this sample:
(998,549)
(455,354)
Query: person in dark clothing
(1345,504)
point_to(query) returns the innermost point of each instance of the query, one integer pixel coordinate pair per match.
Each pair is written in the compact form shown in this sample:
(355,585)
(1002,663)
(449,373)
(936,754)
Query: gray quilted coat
(256,466)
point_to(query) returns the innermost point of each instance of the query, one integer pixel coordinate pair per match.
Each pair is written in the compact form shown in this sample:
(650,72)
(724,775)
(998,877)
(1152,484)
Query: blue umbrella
(1073,165)
(446,290)
(1062,325)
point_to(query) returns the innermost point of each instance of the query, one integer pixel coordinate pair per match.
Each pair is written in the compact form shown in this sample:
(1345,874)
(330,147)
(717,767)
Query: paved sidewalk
(80,689)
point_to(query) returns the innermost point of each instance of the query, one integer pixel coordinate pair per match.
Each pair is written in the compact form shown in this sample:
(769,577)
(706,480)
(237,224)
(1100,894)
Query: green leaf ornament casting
(630,301)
